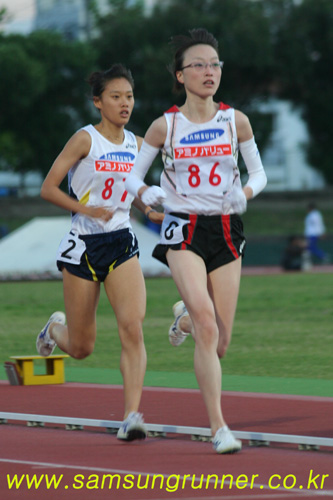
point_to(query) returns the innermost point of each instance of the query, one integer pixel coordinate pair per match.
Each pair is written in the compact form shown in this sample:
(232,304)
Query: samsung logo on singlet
(119,156)
(202,136)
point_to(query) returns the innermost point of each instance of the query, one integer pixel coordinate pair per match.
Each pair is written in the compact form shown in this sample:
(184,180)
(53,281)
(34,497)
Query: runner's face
(116,102)
(200,78)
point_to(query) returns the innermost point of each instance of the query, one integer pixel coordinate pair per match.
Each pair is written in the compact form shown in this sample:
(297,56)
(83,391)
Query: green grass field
(282,333)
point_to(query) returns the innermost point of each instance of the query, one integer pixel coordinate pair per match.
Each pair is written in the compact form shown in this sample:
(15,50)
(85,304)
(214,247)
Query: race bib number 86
(201,179)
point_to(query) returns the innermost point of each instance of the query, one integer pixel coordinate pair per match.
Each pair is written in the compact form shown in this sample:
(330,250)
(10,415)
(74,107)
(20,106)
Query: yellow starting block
(55,369)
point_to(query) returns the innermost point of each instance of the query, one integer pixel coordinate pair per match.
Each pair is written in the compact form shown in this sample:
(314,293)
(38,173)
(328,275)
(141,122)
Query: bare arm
(149,212)
(153,141)
(155,136)
(243,127)
(75,149)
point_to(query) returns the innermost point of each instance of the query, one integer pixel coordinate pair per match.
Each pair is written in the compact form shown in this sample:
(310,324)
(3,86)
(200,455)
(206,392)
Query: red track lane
(93,454)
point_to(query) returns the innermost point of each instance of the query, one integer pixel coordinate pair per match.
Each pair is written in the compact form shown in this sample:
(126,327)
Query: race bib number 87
(108,187)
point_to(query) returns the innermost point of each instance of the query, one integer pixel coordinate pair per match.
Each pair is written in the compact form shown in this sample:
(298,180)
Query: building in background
(284,158)
(19,18)
(70,17)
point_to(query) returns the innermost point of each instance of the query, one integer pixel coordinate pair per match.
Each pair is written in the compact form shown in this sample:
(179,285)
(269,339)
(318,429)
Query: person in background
(314,230)
(294,255)
(202,238)
(101,246)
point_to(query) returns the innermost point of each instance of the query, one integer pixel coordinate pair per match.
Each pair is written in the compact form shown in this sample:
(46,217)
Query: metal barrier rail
(199,433)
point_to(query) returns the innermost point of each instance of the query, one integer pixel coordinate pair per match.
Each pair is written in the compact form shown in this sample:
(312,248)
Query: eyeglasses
(199,67)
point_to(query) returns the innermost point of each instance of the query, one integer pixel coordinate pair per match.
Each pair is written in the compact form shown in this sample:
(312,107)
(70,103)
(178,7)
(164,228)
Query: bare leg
(126,291)
(81,298)
(223,286)
(189,273)
(225,303)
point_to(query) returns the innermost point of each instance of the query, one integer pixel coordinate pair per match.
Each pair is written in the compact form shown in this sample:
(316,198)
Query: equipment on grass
(13,374)
(22,372)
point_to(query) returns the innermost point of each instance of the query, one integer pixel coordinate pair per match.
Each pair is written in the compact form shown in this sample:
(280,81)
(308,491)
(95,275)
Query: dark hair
(99,79)
(180,43)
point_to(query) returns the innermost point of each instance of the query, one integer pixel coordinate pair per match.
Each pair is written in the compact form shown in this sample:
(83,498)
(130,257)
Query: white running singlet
(200,162)
(99,180)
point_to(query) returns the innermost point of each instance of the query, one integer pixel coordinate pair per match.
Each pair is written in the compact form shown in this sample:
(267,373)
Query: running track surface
(94,453)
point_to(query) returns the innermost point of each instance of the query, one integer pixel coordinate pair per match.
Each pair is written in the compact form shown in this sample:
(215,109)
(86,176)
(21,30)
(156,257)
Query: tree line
(279,48)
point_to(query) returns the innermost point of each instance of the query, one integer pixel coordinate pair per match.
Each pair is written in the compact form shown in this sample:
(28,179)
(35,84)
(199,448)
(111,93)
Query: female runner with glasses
(202,237)
(101,246)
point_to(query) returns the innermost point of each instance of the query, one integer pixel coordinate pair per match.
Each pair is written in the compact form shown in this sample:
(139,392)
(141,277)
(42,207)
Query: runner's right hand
(153,196)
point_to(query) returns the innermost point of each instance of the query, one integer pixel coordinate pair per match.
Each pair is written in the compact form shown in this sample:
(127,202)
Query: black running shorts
(104,252)
(217,239)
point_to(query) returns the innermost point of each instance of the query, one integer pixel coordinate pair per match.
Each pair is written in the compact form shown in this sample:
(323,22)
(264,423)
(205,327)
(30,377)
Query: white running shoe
(132,428)
(176,335)
(225,442)
(44,344)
